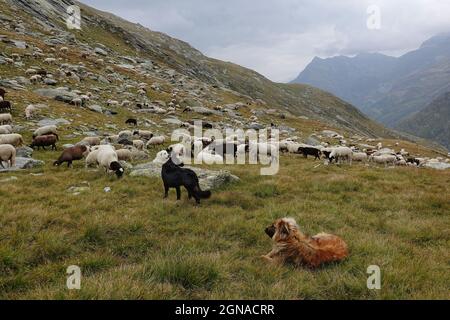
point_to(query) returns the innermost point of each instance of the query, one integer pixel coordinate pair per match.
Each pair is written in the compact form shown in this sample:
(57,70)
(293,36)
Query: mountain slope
(385,88)
(433,122)
(189,62)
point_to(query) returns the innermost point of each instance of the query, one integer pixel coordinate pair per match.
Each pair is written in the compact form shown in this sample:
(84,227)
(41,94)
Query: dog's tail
(202,194)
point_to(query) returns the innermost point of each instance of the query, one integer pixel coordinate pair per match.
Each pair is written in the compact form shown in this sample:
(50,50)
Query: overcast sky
(278,38)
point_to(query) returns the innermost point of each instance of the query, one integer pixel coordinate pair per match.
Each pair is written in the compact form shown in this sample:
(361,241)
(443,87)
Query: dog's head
(282,229)
(174,157)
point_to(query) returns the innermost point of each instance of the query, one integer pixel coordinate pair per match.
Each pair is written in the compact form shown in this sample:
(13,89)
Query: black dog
(174,177)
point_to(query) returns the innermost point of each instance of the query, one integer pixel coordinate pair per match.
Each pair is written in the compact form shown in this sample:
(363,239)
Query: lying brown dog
(293,247)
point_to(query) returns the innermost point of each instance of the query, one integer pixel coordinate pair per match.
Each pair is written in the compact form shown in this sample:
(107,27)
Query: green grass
(130,243)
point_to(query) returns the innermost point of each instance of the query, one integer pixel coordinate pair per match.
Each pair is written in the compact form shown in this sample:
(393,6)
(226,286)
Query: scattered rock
(208,179)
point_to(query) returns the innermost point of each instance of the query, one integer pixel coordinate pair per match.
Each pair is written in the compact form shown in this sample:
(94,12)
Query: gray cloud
(278,38)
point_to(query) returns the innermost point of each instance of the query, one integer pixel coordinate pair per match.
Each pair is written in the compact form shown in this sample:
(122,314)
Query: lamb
(44,141)
(51,129)
(143,134)
(107,158)
(71,154)
(5,118)
(359,156)
(342,153)
(138,144)
(383,159)
(124,155)
(29,111)
(8,154)
(91,141)
(13,139)
(155,141)
(5,129)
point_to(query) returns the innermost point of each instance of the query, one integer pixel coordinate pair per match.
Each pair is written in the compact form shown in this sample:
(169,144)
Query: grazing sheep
(107,158)
(359,156)
(154,141)
(312,151)
(99,62)
(143,134)
(64,50)
(125,134)
(267,149)
(131,121)
(5,129)
(342,153)
(30,72)
(91,159)
(35,79)
(124,155)
(71,154)
(90,141)
(14,139)
(51,129)
(29,111)
(383,159)
(8,154)
(78,102)
(125,103)
(112,103)
(44,141)
(138,144)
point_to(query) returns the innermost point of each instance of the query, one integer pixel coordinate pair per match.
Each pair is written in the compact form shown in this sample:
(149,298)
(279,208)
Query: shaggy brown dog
(292,246)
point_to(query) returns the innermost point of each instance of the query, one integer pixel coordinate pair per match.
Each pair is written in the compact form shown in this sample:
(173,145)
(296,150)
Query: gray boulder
(208,179)
(57,94)
(24,152)
(96,108)
(24,163)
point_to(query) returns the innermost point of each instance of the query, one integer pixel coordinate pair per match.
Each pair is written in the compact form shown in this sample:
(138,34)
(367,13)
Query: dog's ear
(284,230)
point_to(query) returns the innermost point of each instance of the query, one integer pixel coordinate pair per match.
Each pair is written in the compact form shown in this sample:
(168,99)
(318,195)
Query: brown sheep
(71,154)
(44,141)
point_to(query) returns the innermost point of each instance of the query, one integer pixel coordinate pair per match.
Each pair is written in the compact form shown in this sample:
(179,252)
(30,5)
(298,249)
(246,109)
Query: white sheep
(107,158)
(35,78)
(64,50)
(13,139)
(5,118)
(5,129)
(50,60)
(8,154)
(114,103)
(90,141)
(91,158)
(124,154)
(78,102)
(138,144)
(359,156)
(51,129)
(30,72)
(207,157)
(342,153)
(383,159)
(161,157)
(29,111)
(156,141)
(143,134)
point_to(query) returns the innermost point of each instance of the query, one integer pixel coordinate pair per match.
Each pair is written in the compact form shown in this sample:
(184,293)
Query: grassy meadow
(130,243)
